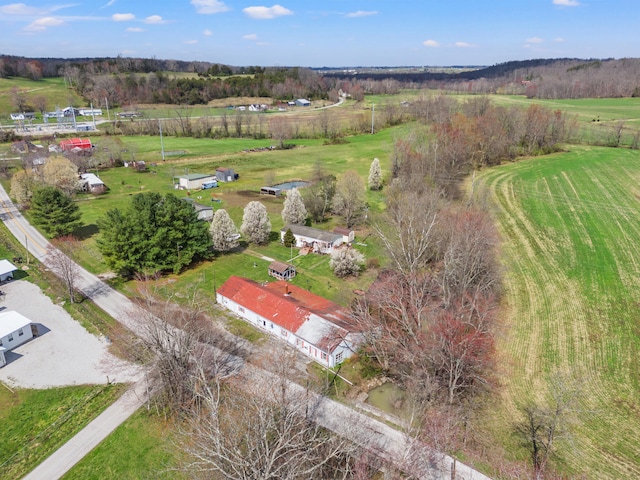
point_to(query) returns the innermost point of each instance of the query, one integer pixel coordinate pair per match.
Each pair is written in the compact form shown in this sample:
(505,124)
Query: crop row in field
(572,296)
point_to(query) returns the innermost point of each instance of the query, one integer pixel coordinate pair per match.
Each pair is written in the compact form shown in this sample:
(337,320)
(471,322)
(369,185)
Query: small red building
(75,144)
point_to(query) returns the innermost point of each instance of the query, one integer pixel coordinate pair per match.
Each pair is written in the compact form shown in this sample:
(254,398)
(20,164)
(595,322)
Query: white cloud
(464,45)
(209,6)
(267,13)
(20,9)
(534,40)
(109,3)
(207,33)
(43,23)
(431,43)
(154,20)
(123,17)
(250,36)
(360,13)
(190,42)
(566,3)
(558,39)
(135,29)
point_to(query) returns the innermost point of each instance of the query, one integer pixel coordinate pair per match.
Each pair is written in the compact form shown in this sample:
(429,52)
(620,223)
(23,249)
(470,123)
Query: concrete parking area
(64,353)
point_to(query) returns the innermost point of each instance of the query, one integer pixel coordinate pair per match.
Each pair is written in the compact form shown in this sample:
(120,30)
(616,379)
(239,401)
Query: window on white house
(241,309)
(0,342)
(284,333)
(324,356)
(272,326)
(20,332)
(11,337)
(339,357)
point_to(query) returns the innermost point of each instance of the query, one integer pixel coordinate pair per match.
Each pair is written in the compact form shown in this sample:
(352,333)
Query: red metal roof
(71,143)
(284,304)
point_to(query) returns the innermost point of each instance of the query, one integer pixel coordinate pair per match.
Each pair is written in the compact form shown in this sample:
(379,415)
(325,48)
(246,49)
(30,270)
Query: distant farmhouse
(194,181)
(319,241)
(15,329)
(302,102)
(317,327)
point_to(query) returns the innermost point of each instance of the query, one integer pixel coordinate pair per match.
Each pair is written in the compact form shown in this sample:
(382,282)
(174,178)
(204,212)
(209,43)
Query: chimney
(286,290)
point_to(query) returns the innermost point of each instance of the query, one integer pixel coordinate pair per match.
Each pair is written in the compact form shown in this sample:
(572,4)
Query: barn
(76,144)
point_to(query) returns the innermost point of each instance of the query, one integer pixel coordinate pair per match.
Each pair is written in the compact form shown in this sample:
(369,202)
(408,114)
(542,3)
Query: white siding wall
(16,338)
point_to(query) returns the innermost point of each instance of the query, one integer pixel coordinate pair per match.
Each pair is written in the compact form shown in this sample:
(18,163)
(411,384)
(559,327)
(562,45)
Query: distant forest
(128,81)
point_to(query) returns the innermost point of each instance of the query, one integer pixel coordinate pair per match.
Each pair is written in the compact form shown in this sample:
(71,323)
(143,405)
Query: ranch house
(319,241)
(317,327)
(15,329)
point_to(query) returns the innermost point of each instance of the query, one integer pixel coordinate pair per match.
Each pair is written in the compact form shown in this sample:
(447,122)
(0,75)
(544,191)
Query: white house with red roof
(319,328)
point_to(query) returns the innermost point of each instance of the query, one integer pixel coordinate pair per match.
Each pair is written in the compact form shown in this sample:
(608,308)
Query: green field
(140,448)
(572,299)
(53,89)
(38,422)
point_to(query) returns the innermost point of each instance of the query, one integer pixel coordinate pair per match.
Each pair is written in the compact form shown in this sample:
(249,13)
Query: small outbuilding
(303,102)
(6,270)
(194,181)
(282,271)
(348,235)
(15,329)
(224,174)
(91,183)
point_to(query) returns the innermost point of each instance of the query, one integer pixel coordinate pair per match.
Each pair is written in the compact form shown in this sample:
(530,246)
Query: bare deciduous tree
(60,262)
(261,428)
(545,423)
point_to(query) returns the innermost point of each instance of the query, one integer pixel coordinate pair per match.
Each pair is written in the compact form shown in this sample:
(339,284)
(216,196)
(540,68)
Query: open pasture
(53,89)
(570,236)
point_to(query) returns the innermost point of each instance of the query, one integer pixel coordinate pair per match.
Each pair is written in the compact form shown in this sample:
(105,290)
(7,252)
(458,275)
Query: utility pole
(26,246)
(373,115)
(161,141)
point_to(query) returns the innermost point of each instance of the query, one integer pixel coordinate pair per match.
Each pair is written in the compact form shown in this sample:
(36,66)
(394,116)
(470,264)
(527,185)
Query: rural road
(333,415)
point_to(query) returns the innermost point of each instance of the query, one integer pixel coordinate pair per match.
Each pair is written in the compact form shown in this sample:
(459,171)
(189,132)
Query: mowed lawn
(571,235)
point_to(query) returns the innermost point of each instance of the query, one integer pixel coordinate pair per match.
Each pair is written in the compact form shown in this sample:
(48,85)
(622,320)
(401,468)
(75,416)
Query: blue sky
(324,32)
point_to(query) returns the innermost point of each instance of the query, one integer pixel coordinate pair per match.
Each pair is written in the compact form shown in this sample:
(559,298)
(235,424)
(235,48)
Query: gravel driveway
(64,353)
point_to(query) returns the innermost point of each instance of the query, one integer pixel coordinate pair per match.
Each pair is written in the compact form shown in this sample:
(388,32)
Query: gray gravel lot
(64,353)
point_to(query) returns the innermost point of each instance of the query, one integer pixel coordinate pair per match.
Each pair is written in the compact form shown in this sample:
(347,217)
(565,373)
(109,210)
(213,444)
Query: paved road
(333,415)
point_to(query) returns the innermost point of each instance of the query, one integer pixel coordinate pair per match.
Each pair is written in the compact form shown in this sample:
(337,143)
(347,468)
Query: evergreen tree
(224,233)
(289,239)
(375,175)
(153,234)
(54,212)
(294,210)
(255,223)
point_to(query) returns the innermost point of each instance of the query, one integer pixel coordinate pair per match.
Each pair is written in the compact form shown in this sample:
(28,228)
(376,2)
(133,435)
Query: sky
(324,33)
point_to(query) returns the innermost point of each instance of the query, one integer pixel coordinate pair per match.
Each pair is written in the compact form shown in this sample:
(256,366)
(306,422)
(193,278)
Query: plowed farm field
(570,226)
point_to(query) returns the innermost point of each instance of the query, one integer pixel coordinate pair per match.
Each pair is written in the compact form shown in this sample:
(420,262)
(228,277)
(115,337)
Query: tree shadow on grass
(86,231)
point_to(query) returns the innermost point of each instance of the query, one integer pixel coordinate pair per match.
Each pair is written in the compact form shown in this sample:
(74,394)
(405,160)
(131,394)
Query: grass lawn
(570,237)
(139,448)
(37,422)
